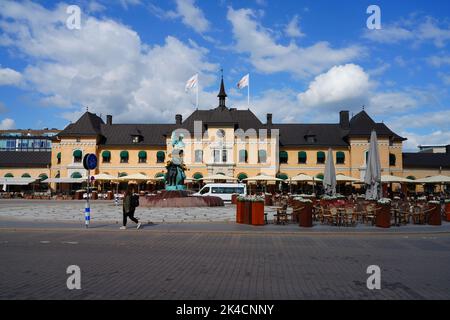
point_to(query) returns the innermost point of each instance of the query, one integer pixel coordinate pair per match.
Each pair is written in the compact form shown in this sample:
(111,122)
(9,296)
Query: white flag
(191,83)
(243,82)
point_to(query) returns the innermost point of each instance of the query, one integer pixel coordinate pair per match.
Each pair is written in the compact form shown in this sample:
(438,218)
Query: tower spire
(222,94)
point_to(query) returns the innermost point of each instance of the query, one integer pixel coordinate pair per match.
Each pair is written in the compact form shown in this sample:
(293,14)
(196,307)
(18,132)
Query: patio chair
(370,214)
(350,217)
(418,215)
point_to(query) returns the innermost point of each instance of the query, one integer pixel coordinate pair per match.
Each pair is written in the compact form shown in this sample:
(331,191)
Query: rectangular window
(216,156)
(224,156)
(198,156)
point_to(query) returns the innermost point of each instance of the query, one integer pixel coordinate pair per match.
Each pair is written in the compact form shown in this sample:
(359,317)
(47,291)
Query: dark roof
(331,135)
(362,125)
(240,119)
(426,160)
(25,159)
(122,134)
(88,125)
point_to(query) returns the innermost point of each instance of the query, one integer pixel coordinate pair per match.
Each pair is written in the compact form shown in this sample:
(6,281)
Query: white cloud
(391,102)
(269,57)
(191,15)
(9,77)
(3,108)
(104,65)
(414,139)
(438,61)
(7,124)
(341,86)
(293,29)
(414,30)
(126,3)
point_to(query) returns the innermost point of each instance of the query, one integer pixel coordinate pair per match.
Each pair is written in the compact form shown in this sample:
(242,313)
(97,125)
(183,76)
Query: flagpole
(248,92)
(197,94)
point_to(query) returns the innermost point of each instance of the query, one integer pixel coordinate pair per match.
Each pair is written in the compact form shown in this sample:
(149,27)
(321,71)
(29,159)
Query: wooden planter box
(434,216)
(257,213)
(247,212)
(305,216)
(240,207)
(383,216)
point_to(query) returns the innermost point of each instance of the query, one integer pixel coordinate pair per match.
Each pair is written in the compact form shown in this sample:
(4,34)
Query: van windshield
(228,190)
(204,190)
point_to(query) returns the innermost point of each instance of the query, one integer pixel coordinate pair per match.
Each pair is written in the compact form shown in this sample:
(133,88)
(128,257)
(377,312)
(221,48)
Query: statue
(175,167)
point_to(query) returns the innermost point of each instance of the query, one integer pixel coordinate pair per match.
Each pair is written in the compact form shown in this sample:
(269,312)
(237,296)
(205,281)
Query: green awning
(282,176)
(58,175)
(43,176)
(26,175)
(242,176)
(411,177)
(142,154)
(124,154)
(302,156)
(123,174)
(320,176)
(159,174)
(160,156)
(197,176)
(77,154)
(76,175)
(320,156)
(283,156)
(106,154)
(9,175)
(340,155)
(58,156)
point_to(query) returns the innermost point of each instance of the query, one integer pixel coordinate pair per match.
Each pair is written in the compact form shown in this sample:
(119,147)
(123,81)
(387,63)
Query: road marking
(69,242)
(44,242)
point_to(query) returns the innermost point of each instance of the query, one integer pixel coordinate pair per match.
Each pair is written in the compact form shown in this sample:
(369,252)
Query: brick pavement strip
(220,265)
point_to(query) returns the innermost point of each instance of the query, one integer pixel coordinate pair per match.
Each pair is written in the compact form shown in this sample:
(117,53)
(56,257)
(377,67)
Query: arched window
(122,174)
(283,157)
(106,155)
(411,177)
(340,157)
(43,176)
(197,176)
(124,156)
(243,156)
(320,157)
(302,158)
(392,159)
(142,155)
(77,156)
(262,156)
(241,176)
(9,175)
(160,157)
(76,175)
(282,176)
(26,175)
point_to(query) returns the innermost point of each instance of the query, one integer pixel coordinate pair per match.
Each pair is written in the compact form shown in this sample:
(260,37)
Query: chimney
(344,119)
(447,149)
(109,119)
(269,119)
(178,119)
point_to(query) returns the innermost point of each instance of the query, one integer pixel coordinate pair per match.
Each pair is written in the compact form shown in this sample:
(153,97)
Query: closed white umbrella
(329,176)
(372,178)
(104,177)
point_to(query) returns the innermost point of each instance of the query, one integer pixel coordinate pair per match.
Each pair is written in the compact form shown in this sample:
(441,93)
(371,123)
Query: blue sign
(90,161)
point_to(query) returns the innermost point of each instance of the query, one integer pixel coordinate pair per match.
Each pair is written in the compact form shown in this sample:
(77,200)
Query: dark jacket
(127,204)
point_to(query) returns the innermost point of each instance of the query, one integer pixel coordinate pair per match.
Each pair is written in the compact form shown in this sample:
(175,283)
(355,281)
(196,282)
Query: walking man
(130,202)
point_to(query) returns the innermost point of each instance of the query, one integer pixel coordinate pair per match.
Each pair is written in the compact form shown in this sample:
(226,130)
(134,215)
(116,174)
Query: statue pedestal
(175,188)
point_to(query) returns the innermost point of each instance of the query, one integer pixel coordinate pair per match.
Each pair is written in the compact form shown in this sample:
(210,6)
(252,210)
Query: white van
(222,190)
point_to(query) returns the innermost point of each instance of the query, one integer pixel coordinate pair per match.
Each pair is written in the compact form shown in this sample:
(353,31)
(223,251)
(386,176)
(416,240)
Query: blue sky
(307,60)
